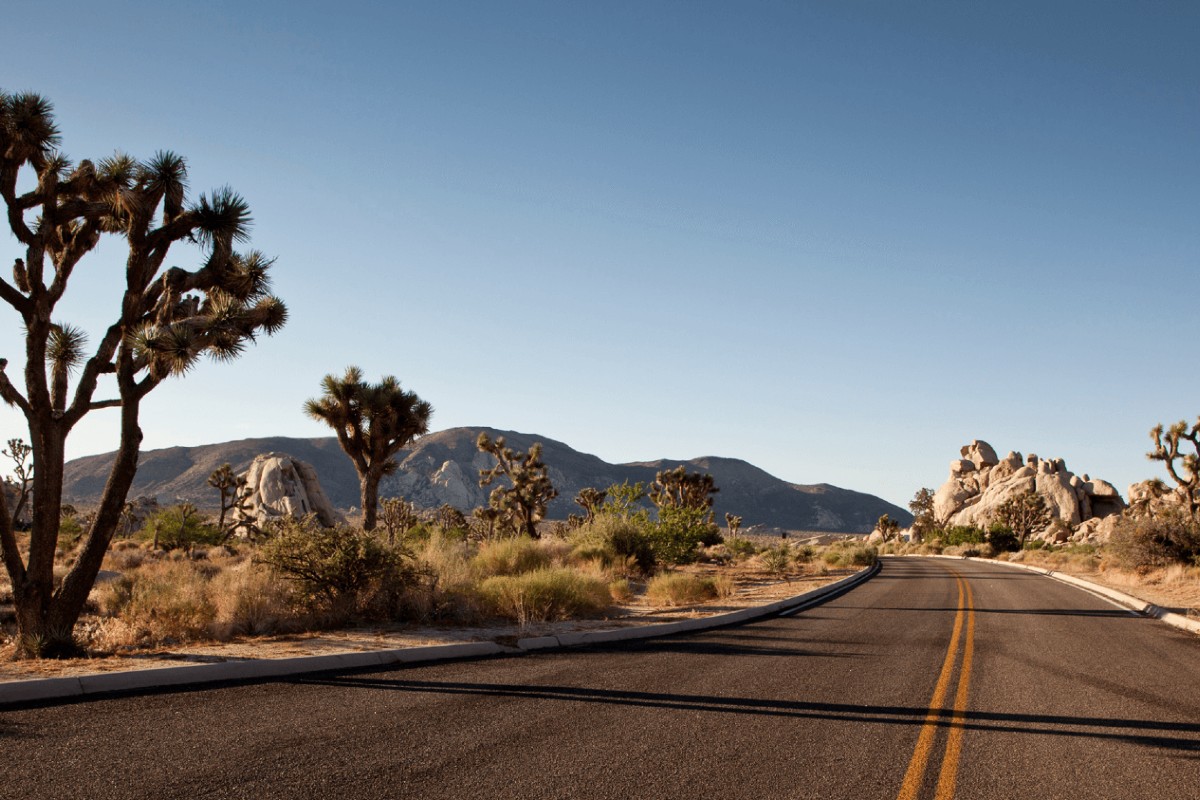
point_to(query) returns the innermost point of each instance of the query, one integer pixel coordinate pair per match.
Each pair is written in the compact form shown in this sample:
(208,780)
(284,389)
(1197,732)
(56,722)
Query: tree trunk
(33,593)
(370,499)
(71,597)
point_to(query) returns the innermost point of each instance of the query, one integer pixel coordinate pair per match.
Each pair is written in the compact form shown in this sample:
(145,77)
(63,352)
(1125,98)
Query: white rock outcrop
(278,486)
(980,482)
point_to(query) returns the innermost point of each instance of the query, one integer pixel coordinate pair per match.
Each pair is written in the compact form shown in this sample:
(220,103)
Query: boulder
(980,453)
(1061,501)
(981,513)
(960,466)
(949,498)
(980,483)
(277,486)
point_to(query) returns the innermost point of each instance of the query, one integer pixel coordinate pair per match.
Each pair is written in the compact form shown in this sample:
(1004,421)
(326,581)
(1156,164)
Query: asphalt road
(936,678)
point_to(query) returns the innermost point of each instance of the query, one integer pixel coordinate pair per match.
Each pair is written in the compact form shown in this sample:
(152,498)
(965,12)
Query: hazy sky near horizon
(836,239)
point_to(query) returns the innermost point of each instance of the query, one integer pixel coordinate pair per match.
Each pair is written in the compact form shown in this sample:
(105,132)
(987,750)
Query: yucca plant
(168,318)
(373,421)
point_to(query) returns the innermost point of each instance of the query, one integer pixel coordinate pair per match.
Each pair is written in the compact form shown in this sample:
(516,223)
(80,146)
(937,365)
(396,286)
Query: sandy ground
(751,592)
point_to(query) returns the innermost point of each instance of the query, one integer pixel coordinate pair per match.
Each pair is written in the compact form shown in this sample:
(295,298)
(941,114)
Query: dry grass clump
(849,553)
(681,588)
(169,600)
(544,595)
(512,557)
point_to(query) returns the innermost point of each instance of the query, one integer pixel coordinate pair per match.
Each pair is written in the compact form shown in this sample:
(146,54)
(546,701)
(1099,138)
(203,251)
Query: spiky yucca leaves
(678,488)
(398,517)
(224,481)
(1187,472)
(522,504)
(372,422)
(167,319)
(591,500)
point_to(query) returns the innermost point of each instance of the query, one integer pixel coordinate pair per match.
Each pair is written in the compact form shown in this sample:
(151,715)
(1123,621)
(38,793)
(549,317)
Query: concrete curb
(43,689)
(1135,604)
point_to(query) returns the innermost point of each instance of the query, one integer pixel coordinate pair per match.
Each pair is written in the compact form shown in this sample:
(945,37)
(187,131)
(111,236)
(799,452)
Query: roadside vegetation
(177,579)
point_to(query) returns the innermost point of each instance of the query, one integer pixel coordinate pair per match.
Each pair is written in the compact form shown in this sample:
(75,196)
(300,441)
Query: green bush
(341,567)
(616,541)
(777,560)
(962,534)
(180,527)
(740,548)
(1002,539)
(545,594)
(679,533)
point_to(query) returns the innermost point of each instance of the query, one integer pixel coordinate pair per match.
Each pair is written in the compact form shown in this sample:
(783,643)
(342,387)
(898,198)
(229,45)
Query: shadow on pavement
(1150,733)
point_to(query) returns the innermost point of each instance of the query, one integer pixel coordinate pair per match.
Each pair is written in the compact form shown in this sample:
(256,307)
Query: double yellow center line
(947,777)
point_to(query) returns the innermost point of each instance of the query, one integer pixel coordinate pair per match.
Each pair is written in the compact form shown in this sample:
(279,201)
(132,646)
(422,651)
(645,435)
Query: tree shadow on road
(1175,736)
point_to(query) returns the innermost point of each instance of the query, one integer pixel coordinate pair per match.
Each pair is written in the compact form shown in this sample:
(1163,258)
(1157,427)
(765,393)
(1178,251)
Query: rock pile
(980,482)
(277,486)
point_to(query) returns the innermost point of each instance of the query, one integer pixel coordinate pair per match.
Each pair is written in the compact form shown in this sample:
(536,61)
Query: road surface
(935,679)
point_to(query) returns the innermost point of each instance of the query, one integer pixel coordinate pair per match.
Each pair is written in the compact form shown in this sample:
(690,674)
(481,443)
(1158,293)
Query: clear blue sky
(836,239)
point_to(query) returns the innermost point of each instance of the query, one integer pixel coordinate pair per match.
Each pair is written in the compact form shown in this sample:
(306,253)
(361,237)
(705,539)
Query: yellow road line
(949,774)
(916,767)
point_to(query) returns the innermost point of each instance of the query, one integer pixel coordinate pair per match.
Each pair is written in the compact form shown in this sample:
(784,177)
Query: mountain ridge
(443,467)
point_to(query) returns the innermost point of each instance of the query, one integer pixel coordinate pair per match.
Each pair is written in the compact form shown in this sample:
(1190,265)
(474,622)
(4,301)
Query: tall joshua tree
(168,318)
(1187,472)
(372,423)
(522,504)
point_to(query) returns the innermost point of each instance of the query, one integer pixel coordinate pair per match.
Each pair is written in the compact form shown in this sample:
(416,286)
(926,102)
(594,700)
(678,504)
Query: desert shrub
(180,527)
(740,548)
(512,556)
(679,533)
(620,590)
(618,542)
(252,601)
(543,595)
(164,600)
(70,528)
(849,553)
(340,567)
(1143,542)
(1002,539)
(962,534)
(680,588)
(776,560)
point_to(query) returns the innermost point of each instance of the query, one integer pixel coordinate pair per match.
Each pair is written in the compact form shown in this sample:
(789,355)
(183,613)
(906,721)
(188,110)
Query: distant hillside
(444,467)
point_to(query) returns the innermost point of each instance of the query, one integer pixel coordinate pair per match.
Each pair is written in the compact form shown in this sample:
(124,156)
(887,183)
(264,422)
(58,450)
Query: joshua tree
(398,516)
(166,320)
(591,501)
(448,518)
(1166,450)
(19,452)
(522,504)
(483,521)
(732,523)
(678,488)
(224,481)
(372,422)
(1023,514)
(889,527)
